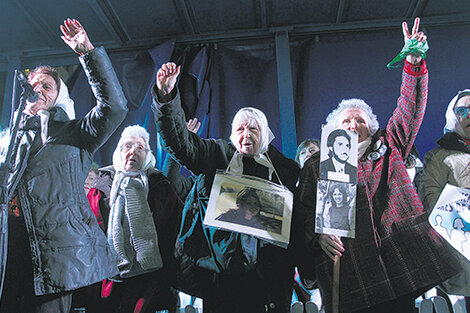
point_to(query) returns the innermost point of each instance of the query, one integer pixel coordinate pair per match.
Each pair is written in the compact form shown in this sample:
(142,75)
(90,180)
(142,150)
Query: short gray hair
(354,103)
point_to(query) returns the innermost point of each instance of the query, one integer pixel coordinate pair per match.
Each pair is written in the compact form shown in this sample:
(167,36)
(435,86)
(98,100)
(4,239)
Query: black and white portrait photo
(336,214)
(338,155)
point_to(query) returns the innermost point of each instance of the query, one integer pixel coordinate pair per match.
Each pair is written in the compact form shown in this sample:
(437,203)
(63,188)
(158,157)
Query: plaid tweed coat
(395,252)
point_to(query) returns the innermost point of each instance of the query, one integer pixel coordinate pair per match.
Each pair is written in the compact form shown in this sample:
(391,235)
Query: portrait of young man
(340,164)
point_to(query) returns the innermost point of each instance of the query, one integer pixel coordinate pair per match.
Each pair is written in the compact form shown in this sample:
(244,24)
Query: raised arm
(196,154)
(111,105)
(406,120)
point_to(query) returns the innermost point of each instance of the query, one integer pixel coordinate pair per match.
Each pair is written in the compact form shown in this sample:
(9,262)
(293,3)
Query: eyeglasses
(138,147)
(461,111)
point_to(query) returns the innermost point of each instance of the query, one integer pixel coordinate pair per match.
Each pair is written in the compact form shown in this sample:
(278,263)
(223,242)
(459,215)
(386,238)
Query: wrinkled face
(306,153)
(247,137)
(356,120)
(337,197)
(464,121)
(47,90)
(89,180)
(341,149)
(133,153)
(251,207)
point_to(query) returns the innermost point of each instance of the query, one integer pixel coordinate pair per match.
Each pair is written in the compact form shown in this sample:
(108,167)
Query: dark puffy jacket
(68,248)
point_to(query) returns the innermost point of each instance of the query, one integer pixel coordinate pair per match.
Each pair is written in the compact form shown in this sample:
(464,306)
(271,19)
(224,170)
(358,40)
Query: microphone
(31,95)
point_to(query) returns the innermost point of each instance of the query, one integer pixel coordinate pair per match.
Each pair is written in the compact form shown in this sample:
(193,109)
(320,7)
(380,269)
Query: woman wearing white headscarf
(55,245)
(449,164)
(265,286)
(141,212)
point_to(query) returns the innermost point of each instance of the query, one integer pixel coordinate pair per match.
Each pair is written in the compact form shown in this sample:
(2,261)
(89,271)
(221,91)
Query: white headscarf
(452,122)
(130,204)
(63,100)
(252,116)
(133,131)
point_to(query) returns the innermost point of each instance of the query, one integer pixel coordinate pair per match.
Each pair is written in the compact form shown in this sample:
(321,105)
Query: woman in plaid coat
(395,254)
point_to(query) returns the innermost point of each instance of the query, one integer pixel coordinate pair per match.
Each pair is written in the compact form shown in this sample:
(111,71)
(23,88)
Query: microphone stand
(5,169)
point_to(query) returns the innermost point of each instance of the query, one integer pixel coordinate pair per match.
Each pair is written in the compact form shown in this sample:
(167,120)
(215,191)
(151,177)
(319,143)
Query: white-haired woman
(388,262)
(141,212)
(448,164)
(269,284)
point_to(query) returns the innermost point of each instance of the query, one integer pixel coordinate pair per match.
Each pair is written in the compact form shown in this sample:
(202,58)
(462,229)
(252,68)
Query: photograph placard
(252,206)
(336,208)
(338,154)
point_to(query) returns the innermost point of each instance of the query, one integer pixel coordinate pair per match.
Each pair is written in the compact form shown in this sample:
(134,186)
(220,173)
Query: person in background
(306,290)
(305,150)
(92,174)
(448,164)
(387,264)
(172,169)
(144,213)
(268,287)
(54,243)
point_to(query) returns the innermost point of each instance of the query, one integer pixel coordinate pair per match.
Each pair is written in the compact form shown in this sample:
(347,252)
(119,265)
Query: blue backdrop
(217,80)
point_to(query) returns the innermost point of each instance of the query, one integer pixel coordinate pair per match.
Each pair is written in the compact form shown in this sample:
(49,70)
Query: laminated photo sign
(338,154)
(336,208)
(250,205)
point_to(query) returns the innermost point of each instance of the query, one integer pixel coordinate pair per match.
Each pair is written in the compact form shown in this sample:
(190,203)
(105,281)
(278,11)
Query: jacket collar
(452,141)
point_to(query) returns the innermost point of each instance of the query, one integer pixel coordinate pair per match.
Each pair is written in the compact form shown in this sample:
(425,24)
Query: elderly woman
(448,164)
(269,284)
(54,242)
(141,213)
(395,253)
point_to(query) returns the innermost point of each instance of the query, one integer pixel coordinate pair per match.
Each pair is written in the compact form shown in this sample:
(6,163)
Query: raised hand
(413,58)
(193,125)
(166,78)
(75,36)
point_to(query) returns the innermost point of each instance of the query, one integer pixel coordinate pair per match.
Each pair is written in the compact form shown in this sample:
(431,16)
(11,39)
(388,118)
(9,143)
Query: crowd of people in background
(124,245)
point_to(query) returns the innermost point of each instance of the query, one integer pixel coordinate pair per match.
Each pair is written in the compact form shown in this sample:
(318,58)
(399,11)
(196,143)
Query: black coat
(68,249)
(272,280)
(328,166)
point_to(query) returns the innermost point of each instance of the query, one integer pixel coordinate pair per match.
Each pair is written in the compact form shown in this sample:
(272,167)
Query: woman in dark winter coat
(268,286)
(448,164)
(141,213)
(55,244)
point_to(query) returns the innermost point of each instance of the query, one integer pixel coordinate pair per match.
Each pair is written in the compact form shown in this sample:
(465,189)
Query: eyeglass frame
(460,95)
(138,147)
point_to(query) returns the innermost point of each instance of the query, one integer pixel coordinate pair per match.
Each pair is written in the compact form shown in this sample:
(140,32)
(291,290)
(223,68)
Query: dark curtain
(218,79)
(353,65)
